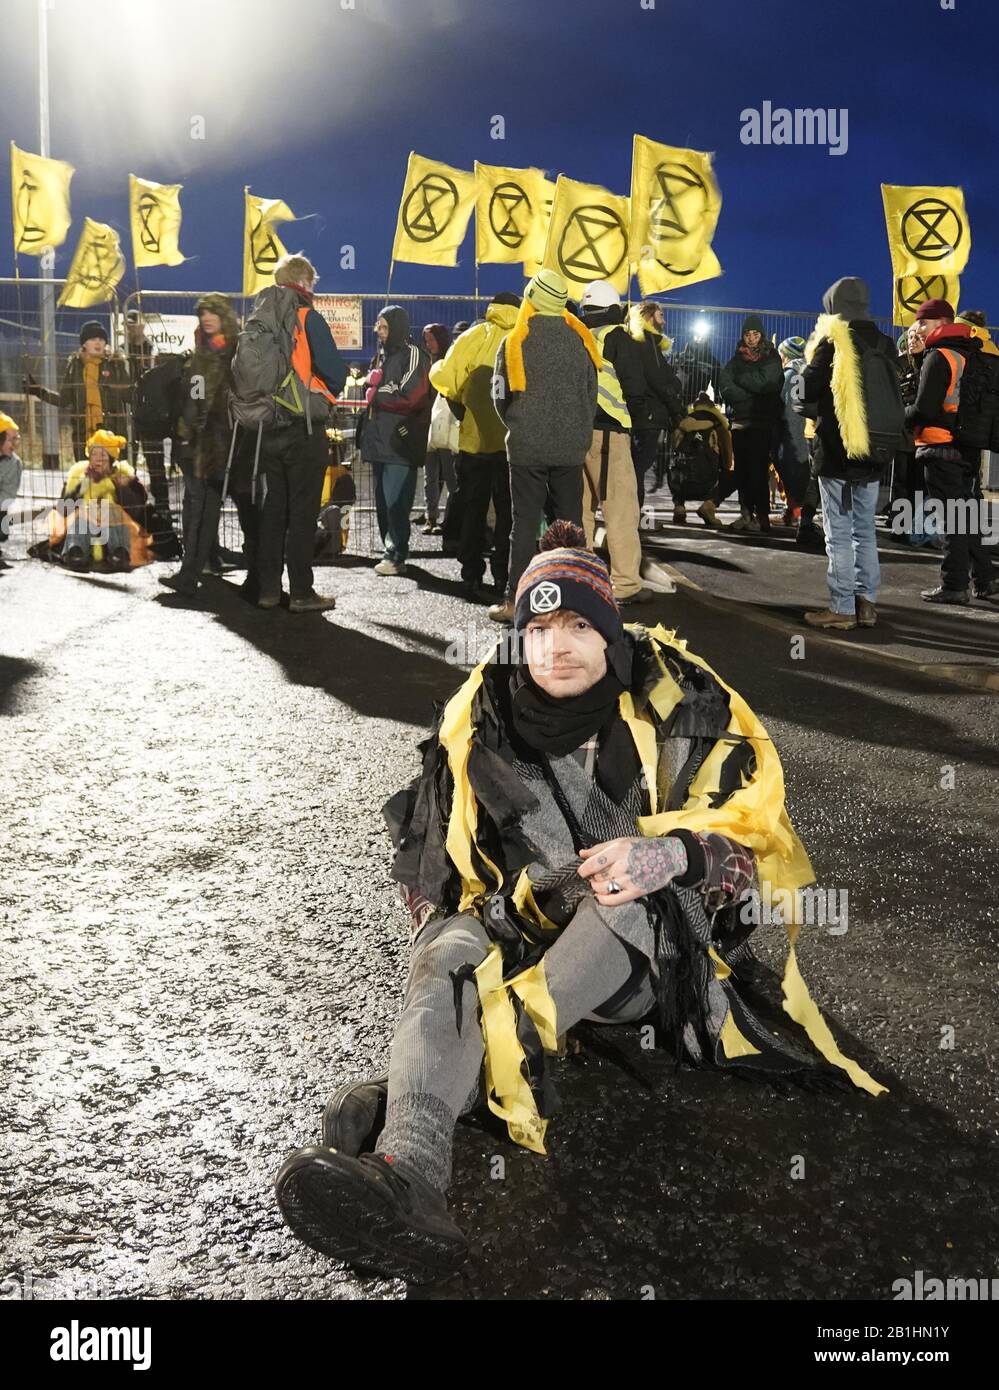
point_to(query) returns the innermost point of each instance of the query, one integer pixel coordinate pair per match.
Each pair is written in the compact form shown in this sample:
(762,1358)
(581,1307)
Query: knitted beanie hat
(792,347)
(564,574)
(935,309)
(547,292)
(93,329)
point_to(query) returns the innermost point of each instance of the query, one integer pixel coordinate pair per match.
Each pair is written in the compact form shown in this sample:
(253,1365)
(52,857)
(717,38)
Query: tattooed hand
(636,866)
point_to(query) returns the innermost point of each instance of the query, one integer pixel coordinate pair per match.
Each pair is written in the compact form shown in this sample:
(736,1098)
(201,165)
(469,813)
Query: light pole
(46,262)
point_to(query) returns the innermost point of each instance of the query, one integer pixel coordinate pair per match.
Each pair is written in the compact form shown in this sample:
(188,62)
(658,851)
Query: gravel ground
(200,940)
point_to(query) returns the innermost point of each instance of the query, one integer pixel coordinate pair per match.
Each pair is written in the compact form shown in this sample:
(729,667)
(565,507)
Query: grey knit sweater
(550,423)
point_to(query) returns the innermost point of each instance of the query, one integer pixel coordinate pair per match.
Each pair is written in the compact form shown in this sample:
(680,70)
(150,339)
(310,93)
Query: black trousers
(289,488)
(530,485)
(965,553)
(481,478)
(202,508)
(644,447)
(751,473)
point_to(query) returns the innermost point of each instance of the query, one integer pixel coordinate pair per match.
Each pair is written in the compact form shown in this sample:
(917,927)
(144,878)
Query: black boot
(355,1116)
(373,1212)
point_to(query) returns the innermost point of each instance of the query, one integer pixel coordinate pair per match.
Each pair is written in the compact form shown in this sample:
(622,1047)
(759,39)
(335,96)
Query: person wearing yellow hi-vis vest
(595,809)
(611,483)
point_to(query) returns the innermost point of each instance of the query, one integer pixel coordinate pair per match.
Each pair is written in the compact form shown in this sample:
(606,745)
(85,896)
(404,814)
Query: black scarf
(554,726)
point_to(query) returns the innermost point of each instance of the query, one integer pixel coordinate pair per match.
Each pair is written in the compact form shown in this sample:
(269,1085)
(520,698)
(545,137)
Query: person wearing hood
(95,388)
(750,384)
(610,484)
(439,471)
(661,406)
(952,467)
(545,393)
(10,473)
(792,445)
(394,433)
(204,436)
(853,446)
(593,804)
(465,379)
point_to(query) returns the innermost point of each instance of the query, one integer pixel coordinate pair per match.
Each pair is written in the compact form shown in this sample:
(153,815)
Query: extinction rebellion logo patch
(546,597)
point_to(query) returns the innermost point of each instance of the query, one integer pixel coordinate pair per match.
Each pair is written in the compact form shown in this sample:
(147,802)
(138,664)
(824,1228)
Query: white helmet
(599,294)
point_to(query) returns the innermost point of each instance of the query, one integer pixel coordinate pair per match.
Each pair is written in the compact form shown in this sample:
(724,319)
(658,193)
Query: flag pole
(46,262)
(388,287)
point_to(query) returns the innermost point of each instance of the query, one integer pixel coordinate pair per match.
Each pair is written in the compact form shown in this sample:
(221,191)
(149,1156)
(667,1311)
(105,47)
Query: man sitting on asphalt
(588,815)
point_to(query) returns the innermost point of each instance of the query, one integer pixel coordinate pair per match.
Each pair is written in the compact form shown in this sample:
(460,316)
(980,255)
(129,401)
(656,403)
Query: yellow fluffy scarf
(847,387)
(516,375)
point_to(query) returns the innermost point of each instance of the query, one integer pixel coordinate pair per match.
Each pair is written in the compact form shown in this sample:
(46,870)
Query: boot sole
(334,1211)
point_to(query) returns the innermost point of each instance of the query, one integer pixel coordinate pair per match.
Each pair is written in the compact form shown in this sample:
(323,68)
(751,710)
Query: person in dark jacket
(952,469)
(661,406)
(394,435)
(698,370)
(439,471)
(545,392)
(908,481)
(610,483)
(829,391)
(95,389)
(750,385)
(203,435)
(792,446)
(294,457)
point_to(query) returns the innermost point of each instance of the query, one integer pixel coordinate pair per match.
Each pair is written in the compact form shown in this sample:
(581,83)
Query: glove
(375,376)
(370,394)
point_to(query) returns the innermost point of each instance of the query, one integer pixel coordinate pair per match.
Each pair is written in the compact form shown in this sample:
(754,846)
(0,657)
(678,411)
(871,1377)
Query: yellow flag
(537,237)
(675,202)
(96,267)
(155,211)
(40,196)
(506,204)
(437,202)
(913,290)
(928,231)
(588,236)
(262,247)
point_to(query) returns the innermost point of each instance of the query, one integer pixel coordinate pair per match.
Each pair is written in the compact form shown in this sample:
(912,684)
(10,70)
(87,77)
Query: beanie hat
(104,439)
(547,292)
(599,294)
(849,298)
(935,309)
(7,425)
(93,329)
(792,347)
(752,323)
(564,574)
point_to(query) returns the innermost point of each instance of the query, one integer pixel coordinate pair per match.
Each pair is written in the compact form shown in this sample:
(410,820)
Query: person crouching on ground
(92,512)
(589,813)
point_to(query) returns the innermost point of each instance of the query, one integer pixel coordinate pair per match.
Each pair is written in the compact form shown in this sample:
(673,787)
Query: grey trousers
(434,1073)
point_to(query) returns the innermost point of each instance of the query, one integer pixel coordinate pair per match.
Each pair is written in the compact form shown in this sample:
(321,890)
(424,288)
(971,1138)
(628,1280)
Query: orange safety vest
(301,358)
(939,434)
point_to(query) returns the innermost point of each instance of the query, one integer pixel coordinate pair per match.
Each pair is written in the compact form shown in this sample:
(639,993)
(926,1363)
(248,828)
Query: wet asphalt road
(200,940)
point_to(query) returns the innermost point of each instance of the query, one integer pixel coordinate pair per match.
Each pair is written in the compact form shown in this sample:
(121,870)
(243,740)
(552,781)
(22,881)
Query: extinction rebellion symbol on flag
(931,229)
(913,290)
(509,200)
(593,244)
(148,205)
(430,207)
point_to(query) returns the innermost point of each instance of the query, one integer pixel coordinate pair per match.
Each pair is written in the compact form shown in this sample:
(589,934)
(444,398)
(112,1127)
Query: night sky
(320,106)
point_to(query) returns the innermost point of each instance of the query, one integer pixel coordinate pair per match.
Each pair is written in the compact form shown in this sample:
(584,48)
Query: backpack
(266,389)
(695,466)
(159,397)
(882,403)
(978,402)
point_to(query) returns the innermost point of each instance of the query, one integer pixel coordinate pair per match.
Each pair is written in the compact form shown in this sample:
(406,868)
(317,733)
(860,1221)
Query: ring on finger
(613,886)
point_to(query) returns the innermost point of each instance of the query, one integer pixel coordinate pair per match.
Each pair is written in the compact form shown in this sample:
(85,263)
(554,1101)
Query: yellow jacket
(465,375)
(91,491)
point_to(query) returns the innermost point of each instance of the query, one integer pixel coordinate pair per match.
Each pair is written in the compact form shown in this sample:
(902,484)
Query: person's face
(382,329)
(10,443)
(659,319)
(429,341)
(565,654)
(915,337)
(752,339)
(926,327)
(93,347)
(100,463)
(134,330)
(210,323)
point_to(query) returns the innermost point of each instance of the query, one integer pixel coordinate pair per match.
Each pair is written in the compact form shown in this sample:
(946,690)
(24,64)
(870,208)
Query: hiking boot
(641,596)
(867,614)
(372,1212)
(212,569)
(957,597)
(311,603)
(355,1116)
(472,591)
(826,618)
(120,559)
(988,590)
(389,568)
(745,524)
(809,537)
(74,557)
(502,612)
(269,601)
(179,584)
(709,515)
(679,516)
